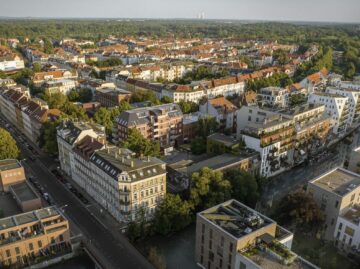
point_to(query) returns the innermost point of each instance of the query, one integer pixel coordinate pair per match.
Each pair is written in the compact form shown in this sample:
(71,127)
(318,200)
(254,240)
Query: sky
(278,10)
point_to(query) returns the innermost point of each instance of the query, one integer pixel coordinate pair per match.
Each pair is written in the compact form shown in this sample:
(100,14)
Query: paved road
(112,248)
(299,176)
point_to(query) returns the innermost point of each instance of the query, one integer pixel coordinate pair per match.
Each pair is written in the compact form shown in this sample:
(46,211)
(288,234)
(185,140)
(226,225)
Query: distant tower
(201,15)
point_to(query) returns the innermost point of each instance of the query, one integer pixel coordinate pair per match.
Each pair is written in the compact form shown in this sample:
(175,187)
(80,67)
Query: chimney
(132,163)
(122,159)
(148,158)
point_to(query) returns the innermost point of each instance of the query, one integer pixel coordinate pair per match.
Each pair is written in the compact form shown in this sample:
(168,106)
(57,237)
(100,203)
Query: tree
(74,111)
(55,100)
(208,188)
(142,96)
(2,74)
(297,99)
(73,96)
(156,259)
(207,126)
(188,106)
(48,46)
(36,67)
(300,209)
(85,95)
(350,70)
(244,186)
(103,117)
(198,145)
(166,100)
(138,228)
(8,147)
(47,138)
(172,215)
(140,145)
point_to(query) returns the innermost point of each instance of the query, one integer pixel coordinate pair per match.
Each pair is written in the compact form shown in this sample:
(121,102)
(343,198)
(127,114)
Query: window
(17,250)
(242,265)
(203,228)
(61,237)
(31,246)
(211,233)
(249,118)
(40,244)
(231,247)
(336,204)
(340,226)
(210,244)
(8,254)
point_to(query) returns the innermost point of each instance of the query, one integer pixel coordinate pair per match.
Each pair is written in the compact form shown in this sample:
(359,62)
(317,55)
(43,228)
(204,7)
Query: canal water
(80,262)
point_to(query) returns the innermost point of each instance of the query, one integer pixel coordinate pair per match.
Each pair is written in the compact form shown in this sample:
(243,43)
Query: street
(112,248)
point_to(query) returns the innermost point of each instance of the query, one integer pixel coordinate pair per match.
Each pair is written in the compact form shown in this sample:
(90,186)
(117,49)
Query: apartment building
(222,110)
(117,180)
(354,160)
(194,92)
(9,61)
(11,172)
(335,192)
(26,238)
(336,106)
(273,97)
(353,101)
(111,97)
(316,81)
(347,231)
(41,77)
(63,86)
(161,123)
(68,134)
(231,235)
(94,84)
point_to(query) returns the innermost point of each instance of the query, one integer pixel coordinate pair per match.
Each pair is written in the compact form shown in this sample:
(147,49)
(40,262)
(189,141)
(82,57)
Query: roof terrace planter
(280,252)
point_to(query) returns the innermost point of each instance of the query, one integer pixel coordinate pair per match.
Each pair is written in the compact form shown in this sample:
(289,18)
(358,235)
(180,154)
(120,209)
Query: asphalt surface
(111,248)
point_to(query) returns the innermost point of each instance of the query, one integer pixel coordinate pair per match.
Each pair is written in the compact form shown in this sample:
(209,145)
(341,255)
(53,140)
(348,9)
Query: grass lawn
(319,253)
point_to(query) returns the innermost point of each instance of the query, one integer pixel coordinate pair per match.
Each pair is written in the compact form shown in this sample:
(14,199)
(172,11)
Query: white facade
(274,97)
(337,107)
(10,65)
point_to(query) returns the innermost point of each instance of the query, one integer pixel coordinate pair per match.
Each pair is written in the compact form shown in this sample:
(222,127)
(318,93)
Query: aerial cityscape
(180,134)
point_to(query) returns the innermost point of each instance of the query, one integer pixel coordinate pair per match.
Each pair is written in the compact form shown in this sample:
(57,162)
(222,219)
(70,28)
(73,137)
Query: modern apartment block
(335,192)
(231,236)
(117,180)
(161,123)
(353,100)
(273,97)
(68,134)
(337,106)
(26,238)
(11,172)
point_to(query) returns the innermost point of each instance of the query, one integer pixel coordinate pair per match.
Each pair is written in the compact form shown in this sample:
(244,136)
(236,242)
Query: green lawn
(320,253)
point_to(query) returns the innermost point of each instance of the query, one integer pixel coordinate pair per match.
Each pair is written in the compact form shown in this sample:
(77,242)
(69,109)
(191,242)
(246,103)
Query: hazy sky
(296,10)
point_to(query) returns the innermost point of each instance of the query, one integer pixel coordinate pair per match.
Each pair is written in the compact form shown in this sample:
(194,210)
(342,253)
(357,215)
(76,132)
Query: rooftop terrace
(24,192)
(353,215)
(9,164)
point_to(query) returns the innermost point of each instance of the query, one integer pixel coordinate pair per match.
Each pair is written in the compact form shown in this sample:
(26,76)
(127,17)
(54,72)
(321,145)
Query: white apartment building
(274,97)
(353,101)
(347,231)
(68,134)
(336,106)
(11,63)
(63,86)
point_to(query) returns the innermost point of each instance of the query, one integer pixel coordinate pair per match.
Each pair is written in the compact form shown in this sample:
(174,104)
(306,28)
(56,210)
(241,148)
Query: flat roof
(353,214)
(9,164)
(219,162)
(236,218)
(32,216)
(24,192)
(339,181)
(227,140)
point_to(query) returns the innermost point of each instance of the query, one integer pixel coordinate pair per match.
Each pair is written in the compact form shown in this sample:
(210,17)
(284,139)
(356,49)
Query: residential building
(273,97)
(111,97)
(118,181)
(161,123)
(63,86)
(353,102)
(26,198)
(41,77)
(219,143)
(11,172)
(10,62)
(354,161)
(94,84)
(347,231)
(222,110)
(190,126)
(231,235)
(335,192)
(24,238)
(316,81)
(337,107)
(68,134)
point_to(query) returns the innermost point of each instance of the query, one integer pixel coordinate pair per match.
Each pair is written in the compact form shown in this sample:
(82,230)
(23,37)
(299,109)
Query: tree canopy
(137,143)
(8,146)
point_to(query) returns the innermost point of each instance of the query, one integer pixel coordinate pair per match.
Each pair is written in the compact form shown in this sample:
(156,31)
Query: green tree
(55,100)
(73,96)
(73,111)
(36,67)
(104,117)
(350,70)
(300,209)
(2,74)
(85,95)
(48,139)
(140,145)
(166,100)
(138,228)
(48,46)
(142,96)
(208,188)
(188,106)
(244,187)
(207,126)
(8,146)
(172,215)
(198,145)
